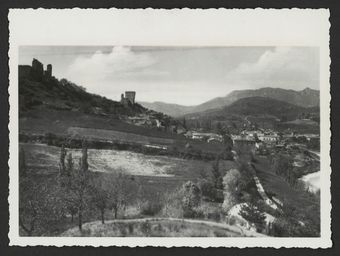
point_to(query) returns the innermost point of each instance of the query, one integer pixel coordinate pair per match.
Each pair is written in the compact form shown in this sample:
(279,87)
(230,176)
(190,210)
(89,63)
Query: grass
(156,173)
(68,124)
(150,228)
(44,120)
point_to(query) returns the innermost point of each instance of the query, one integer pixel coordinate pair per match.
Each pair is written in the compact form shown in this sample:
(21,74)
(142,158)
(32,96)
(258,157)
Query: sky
(181,75)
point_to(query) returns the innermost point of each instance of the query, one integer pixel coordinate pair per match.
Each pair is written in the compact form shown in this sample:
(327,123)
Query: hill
(168,108)
(258,106)
(304,98)
(65,95)
(49,105)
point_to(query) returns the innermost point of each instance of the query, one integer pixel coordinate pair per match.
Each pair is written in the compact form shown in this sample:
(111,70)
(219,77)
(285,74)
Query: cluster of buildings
(260,141)
(204,136)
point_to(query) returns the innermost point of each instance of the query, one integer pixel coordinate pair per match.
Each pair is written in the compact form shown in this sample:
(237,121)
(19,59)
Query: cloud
(120,63)
(283,66)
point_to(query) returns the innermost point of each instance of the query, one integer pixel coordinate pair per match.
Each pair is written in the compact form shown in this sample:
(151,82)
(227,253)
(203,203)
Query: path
(263,193)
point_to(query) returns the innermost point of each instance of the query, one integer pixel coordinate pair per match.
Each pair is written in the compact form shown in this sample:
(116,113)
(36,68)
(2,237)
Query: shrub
(251,213)
(145,227)
(215,215)
(232,220)
(151,208)
(130,227)
(122,229)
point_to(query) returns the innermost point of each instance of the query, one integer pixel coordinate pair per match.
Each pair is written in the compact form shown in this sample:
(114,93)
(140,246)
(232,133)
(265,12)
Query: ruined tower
(37,69)
(130,95)
(48,71)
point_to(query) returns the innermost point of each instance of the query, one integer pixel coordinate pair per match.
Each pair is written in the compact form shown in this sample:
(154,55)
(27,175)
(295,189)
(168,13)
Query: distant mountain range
(256,106)
(304,98)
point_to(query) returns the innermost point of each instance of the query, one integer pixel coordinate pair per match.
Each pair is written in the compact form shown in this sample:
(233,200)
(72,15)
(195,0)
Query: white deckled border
(177,27)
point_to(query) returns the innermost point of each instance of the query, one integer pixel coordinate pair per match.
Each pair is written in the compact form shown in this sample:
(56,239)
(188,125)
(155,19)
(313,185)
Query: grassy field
(152,228)
(43,120)
(156,173)
(70,124)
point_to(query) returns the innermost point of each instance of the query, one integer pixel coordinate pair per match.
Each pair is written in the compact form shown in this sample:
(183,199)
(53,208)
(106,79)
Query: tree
(22,163)
(228,142)
(191,198)
(84,164)
(184,123)
(217,176)
(283,166)
(100,196)
(252,214)
(219,129)
(77,189)
(62,168)
(119,188)
(231,188)
(69,164)
(39,206)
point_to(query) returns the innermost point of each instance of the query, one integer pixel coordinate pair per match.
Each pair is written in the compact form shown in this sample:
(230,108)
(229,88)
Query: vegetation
(153,228)
(252,214)
(300,215)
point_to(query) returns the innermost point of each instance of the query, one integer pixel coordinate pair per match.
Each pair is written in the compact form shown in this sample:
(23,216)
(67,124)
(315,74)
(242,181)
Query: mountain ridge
(306,98)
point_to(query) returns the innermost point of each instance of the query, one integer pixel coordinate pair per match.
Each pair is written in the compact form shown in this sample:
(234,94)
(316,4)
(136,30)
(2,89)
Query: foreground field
(159,227)
(156,173)
(43,158)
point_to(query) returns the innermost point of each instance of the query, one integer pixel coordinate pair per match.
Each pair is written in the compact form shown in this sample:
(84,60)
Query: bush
(145,227)
(214,215)
(131,227)
(122,229)
(232,220)
(151,208)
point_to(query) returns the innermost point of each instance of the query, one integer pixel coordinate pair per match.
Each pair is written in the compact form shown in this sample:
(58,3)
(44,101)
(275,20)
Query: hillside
(65,95)
(258,106)
(304,98)
(51,106)
(168,108)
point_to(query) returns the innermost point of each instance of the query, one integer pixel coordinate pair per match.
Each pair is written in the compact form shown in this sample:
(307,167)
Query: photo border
(13,129)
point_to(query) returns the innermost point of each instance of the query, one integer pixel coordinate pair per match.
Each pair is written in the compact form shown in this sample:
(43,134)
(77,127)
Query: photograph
(170,142)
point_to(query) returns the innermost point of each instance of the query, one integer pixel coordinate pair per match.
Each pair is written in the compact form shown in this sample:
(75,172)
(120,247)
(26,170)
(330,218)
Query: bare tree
(77,189)
(39,205)
(120,189)
(100,195)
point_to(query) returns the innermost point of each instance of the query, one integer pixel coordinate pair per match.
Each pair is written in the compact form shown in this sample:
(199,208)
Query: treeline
(187,152)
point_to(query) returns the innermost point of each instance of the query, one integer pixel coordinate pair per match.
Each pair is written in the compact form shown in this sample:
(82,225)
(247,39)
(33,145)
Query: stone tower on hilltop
(48,72)
(36,71)
(129,98)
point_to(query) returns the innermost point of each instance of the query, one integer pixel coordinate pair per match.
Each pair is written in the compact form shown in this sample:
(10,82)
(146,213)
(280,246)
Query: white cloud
(101,67)
(283,66)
